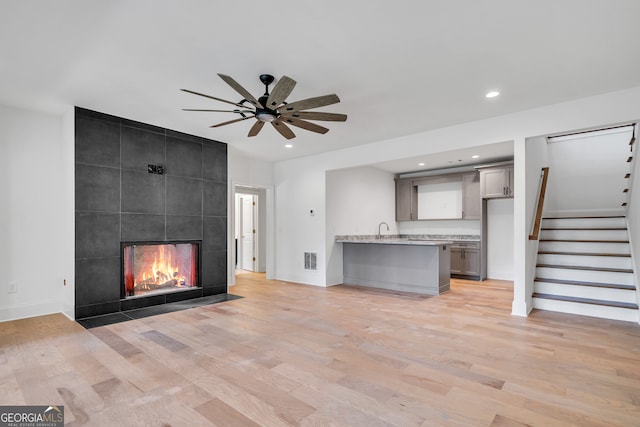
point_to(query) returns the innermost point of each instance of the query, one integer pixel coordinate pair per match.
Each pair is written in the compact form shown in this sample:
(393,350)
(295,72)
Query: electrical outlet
(12,288)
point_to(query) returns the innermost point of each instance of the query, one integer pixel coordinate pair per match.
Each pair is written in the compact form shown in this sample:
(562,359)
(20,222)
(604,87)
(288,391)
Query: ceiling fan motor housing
(265,114)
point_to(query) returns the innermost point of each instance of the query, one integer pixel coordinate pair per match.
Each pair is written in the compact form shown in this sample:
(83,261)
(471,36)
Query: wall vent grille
(310,262)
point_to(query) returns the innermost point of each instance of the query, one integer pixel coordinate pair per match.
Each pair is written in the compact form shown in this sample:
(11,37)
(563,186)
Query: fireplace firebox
(150,268)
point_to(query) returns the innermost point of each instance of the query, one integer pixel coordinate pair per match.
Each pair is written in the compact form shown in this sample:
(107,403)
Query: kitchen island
(400,264)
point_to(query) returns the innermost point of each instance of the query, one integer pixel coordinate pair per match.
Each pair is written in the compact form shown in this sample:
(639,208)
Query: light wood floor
(290,354)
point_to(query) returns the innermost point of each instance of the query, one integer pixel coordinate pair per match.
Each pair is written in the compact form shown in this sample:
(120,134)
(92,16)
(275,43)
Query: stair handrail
(535,233)
(631,161)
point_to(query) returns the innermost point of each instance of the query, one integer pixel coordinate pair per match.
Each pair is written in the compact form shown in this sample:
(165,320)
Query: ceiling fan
(272,108)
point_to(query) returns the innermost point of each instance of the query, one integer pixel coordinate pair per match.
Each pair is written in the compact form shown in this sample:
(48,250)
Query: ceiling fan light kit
(272,107)
(266,116)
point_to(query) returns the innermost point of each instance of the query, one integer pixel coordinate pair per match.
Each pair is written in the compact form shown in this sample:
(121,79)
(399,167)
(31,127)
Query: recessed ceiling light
(492,94)
(288,145)
(475,156)
(421,164)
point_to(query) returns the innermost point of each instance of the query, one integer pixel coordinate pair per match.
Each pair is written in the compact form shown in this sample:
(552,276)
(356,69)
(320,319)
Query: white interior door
(248,231)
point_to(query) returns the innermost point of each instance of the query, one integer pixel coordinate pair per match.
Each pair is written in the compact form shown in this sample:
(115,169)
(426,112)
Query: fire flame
(163,271)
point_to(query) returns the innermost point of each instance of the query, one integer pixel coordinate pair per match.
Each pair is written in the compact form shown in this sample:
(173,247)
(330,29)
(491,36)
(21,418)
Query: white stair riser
(604,312)
(591,292)
(587,261)
(585,275)
(584,222)
(613,248)
(584,234)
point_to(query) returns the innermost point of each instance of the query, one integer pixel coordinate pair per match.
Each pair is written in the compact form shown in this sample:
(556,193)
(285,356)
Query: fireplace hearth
(150,268)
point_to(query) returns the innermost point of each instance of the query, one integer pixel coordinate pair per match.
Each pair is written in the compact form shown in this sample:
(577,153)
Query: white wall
(68,203)
(244,170)
(587,174)
(500,239)
(358,200)
(262,229)
(300,183)
(36,212)
(299,189)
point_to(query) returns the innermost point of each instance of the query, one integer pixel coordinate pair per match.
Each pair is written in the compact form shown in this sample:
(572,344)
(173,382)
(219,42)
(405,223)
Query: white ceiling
(399,67)
(478,155)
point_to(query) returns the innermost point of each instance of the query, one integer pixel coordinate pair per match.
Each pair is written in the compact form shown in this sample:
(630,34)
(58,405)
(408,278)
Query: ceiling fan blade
(283,129)
(219,111)
(213,97)
(242,91)
(305,104)
(230,121)
(280,91)
(306,125)
(313,115)
(256,128)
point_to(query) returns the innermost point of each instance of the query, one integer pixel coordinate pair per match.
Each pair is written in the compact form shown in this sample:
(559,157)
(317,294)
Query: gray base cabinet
(422,269)
(465,260)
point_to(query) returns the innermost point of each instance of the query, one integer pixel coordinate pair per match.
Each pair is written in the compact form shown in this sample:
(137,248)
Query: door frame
(267,233)
(255,241)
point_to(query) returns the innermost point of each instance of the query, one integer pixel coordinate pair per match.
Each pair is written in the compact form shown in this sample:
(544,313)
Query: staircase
(584,267)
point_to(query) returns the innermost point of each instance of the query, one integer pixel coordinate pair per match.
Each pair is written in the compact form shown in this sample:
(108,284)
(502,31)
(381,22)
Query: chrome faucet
(380,225)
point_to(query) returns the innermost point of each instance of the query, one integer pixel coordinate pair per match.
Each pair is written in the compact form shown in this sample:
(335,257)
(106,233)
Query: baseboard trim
(521,308)
(69,311)
(24,311)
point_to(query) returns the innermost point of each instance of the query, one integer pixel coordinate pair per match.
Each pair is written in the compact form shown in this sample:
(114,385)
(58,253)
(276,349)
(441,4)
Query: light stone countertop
(408,239)
(386,240)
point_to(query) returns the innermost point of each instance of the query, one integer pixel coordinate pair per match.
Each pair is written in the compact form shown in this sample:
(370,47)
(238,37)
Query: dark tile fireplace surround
(117,200)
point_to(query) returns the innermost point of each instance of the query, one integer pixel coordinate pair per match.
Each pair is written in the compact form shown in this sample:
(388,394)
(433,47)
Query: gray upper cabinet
(405,204)
(496,182)
(471,199)
(413,203)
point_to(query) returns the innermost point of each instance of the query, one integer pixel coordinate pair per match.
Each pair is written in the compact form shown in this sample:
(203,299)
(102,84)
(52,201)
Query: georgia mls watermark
(31,416)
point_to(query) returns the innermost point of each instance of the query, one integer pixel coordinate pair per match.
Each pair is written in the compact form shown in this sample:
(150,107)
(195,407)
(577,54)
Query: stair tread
(585,254)
(579,283)
(584,217)
(585,228)
(584,241)
(617,304)
(580,267)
